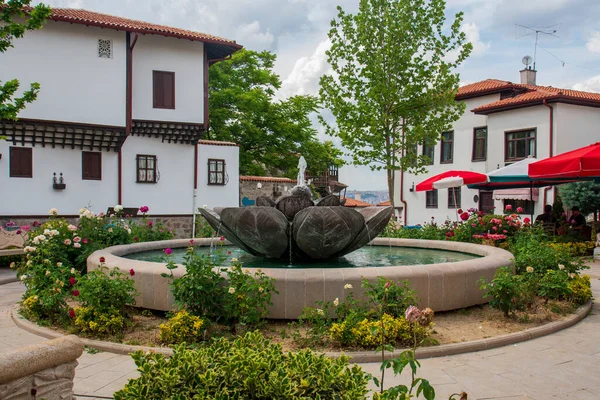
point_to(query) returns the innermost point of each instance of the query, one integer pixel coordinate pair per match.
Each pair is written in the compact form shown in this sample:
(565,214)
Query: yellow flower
(529,269)
(234,260)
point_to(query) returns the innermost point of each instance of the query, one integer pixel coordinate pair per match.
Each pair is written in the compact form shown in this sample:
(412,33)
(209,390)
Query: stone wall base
(54,383)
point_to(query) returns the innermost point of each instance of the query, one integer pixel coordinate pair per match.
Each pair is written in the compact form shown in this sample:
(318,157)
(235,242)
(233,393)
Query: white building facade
(503,123)
(121,118)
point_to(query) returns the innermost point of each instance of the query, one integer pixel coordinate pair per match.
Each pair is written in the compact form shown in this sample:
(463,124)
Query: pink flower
(72,313)
(25,227)
(36,224)
(131,272)
(519,209)
(495,228)
(18,231)
(473,225)
(508,207)
(67,242)
(77,239)
(84,241)
(144,209)
(77,245)
(504,231)
(222,238)
(526,220)
(387,285)
(412,314)
(191,242)
(150,224)
(75,292)
(168,251)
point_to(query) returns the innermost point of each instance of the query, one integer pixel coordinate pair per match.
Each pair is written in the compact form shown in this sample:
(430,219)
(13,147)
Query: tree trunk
(390,179)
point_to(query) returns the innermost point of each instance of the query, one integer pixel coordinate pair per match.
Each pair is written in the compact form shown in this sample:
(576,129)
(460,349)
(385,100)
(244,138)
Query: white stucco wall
(186,59)
(35,196)
(173,193)
(216,195)
(576,126)
(76,85)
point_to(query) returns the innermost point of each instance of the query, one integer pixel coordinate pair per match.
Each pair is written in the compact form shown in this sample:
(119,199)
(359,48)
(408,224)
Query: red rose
(222,238)
(72,313)
(519,209)
(526,220)
(131,272)
(464,216)
(508,207)
(72,281)
(459,211)
(102,259)
(75,292)
(136,239)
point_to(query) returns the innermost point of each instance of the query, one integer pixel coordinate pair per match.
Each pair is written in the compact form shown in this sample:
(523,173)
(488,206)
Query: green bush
(104,289)
(182,328)
(505,290)
(99,322)
(581,290)
(393,297)
(250,367)
(554,285)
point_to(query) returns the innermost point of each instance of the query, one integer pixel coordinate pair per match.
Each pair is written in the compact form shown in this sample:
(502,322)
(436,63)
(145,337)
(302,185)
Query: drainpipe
(551,143)
(128,104)
(402,181)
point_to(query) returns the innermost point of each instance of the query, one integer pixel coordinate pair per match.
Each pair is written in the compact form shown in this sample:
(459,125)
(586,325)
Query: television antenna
(548,30)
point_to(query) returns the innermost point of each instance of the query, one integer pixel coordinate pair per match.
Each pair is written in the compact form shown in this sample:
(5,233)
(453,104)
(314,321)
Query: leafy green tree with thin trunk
(393,81)
(16,17)
(272,133)
(585,195)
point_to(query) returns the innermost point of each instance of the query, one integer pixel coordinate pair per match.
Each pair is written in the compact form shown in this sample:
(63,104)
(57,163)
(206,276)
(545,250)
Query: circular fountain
(298,232)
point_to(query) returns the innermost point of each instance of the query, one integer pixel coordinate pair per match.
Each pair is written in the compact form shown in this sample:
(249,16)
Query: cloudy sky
(296,30)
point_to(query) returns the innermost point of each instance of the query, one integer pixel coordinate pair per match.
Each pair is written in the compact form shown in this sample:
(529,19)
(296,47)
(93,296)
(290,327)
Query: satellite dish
(527,60)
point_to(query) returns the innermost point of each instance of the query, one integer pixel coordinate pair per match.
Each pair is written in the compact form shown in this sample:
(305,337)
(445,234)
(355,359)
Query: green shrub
(554,285)
(581,290)
(250,367)
(367,333)
(99,321)
(505,290)
(182,328)
(393,296)
(104,289)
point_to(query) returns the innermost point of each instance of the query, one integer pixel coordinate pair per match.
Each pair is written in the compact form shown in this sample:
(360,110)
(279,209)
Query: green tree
(271,133)
(585,195)
(393,82)
(28,18)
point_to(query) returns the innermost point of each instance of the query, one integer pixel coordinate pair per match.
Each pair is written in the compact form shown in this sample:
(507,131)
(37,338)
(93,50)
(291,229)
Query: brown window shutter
(169,82)
(158,89)
(91,164)
(21,162)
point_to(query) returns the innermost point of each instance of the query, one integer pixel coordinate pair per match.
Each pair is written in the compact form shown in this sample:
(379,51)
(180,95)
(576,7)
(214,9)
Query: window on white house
(454,197)
(146,168)
(429,152)
(105,48)
(216,172)
(21,162)
(431,199)
(163,92)
(519,145)
(91,165)
(480,143)
(447,153)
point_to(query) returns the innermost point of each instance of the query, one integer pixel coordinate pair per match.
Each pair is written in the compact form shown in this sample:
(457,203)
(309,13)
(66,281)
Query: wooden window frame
(447,144)
(451,198)
(88,176)
(475,140)
(434,201)
(424,152)
(526,139)
(138,168)
(159,102)
(13,157)
(215,162)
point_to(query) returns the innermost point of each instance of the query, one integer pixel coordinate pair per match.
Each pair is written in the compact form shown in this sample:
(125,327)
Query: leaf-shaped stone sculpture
(321,232)
(263,229)
(214,220)
(375,221)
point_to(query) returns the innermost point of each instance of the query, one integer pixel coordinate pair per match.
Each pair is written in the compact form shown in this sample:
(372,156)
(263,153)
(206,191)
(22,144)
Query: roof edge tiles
(266,179)
(217,143)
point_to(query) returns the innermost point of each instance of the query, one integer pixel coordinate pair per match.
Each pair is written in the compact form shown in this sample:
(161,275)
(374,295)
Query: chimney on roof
(528,76)
(357,196)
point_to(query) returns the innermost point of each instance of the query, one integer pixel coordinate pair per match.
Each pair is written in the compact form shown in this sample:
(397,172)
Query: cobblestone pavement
(564,365)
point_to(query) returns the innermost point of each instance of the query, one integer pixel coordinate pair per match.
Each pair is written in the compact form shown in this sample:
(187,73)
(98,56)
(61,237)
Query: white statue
(301,169)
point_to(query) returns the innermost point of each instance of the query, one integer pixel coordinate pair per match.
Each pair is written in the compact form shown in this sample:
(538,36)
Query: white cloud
(304,78)
(589,85)
(472,32)
(593,43)
(253,37)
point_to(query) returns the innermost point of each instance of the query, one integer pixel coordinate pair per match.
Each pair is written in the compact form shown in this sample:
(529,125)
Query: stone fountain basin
(442,287)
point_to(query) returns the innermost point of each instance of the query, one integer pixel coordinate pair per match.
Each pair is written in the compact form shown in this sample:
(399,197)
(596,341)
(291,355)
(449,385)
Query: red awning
(580,163)
(468,178)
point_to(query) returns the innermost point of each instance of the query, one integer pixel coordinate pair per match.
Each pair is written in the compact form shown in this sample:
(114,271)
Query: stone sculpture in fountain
(294,227)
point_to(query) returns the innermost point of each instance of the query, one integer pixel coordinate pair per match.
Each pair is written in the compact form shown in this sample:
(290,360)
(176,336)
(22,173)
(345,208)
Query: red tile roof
(355,203)
(488,86)
(217,143)
(266,179)
(534,95)
(85,17)
(384,203)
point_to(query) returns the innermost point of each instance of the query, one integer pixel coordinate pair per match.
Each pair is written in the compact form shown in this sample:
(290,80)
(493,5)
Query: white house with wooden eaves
(503,122)
(121,118)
